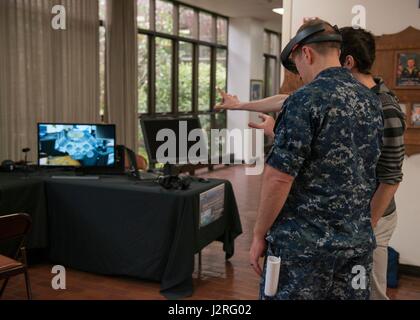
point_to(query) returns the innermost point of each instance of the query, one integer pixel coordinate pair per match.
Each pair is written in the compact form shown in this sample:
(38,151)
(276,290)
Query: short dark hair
(322,47)
(361,45)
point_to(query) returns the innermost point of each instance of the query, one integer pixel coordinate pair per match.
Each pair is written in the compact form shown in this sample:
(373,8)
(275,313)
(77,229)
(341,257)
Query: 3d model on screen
(76,145)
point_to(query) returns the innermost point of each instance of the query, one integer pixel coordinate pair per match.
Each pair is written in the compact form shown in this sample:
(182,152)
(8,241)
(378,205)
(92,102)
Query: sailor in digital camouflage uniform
(327,140)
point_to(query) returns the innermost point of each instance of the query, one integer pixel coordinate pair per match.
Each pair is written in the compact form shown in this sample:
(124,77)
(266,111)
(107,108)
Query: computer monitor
(151,126)
(76,145)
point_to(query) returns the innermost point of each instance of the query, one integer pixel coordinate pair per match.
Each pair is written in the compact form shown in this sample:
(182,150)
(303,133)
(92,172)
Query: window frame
(152,34)
(176,39)
(277,75)
(276,58)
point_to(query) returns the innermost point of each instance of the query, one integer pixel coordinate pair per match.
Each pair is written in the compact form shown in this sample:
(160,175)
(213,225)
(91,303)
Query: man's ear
(349,63)
(308,54)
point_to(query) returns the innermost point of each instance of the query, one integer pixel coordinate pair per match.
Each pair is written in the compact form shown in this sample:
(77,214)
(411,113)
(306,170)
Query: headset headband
(307,36)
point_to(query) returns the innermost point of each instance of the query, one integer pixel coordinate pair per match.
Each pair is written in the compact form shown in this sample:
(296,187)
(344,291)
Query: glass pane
(102,10)
(267,77)
(221,71)
(220,123)
(205,121)
(163,75)
(143,14)
(186,22)
(222,31)
(266,42)
(185,77)
(142,147)
(206,27)
(271,78)
(274,89)
(274,44)
(143,86)
(204,79)
(102,49)
(164,16)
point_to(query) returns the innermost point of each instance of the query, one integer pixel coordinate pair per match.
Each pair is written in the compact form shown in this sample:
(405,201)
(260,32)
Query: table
(19,194)
(117,226)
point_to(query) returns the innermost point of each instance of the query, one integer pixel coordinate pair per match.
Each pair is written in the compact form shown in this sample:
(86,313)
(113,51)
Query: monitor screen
(76,145)
(151,127)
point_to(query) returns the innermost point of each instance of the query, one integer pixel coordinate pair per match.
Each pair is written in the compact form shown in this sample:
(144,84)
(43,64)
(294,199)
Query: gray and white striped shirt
(389,168)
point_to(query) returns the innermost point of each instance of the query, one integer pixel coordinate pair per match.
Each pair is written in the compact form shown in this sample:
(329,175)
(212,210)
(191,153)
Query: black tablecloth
(116,226)
(19,194)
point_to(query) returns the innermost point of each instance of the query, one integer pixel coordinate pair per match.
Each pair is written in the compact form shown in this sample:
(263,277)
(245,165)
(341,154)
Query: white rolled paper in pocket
(272,276)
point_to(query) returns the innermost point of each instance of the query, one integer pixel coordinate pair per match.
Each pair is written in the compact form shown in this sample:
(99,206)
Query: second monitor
(157,130)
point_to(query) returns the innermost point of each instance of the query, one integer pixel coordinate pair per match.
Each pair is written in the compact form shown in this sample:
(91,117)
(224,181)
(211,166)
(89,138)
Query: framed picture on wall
(415,115)
(257,88)
(407,70)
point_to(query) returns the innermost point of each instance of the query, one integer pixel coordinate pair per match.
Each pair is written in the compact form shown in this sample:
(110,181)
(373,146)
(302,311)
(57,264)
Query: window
(163,72)
(143,72)
(221,71)
(271,65)
(206,27)
(222,31)
(187,22)
(204,79)
(143,16)
(271,70)
(164,16)
(182,58)
(185,77)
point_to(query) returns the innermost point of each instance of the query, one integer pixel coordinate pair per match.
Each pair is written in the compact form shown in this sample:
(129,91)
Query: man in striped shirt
(358,55)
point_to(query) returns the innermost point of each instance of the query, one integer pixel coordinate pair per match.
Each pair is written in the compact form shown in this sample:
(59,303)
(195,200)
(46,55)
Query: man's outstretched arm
(270,104)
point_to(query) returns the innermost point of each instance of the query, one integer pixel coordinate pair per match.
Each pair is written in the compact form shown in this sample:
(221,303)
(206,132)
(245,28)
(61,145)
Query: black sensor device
(174,182)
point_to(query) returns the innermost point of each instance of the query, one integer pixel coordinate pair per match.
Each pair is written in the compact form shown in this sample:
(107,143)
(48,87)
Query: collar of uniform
(332,72)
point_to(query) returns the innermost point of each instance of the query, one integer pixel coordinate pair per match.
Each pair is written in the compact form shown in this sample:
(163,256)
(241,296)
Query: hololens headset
(306,36)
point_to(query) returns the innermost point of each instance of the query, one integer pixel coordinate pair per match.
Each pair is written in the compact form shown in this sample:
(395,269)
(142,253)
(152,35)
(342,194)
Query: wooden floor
(217,279)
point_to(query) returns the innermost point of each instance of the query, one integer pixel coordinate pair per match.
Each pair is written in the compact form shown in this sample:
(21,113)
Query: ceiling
(259,9)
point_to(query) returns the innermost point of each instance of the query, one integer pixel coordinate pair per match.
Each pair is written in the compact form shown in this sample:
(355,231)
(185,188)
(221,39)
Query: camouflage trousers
(321,275)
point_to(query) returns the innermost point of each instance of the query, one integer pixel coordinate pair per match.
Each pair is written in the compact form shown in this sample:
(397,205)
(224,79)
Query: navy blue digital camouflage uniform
(328,137)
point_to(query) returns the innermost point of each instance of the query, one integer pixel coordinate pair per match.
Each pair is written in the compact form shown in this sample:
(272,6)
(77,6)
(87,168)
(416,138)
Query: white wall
(383,17)
(286,28)
(245,63)
(406,239)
